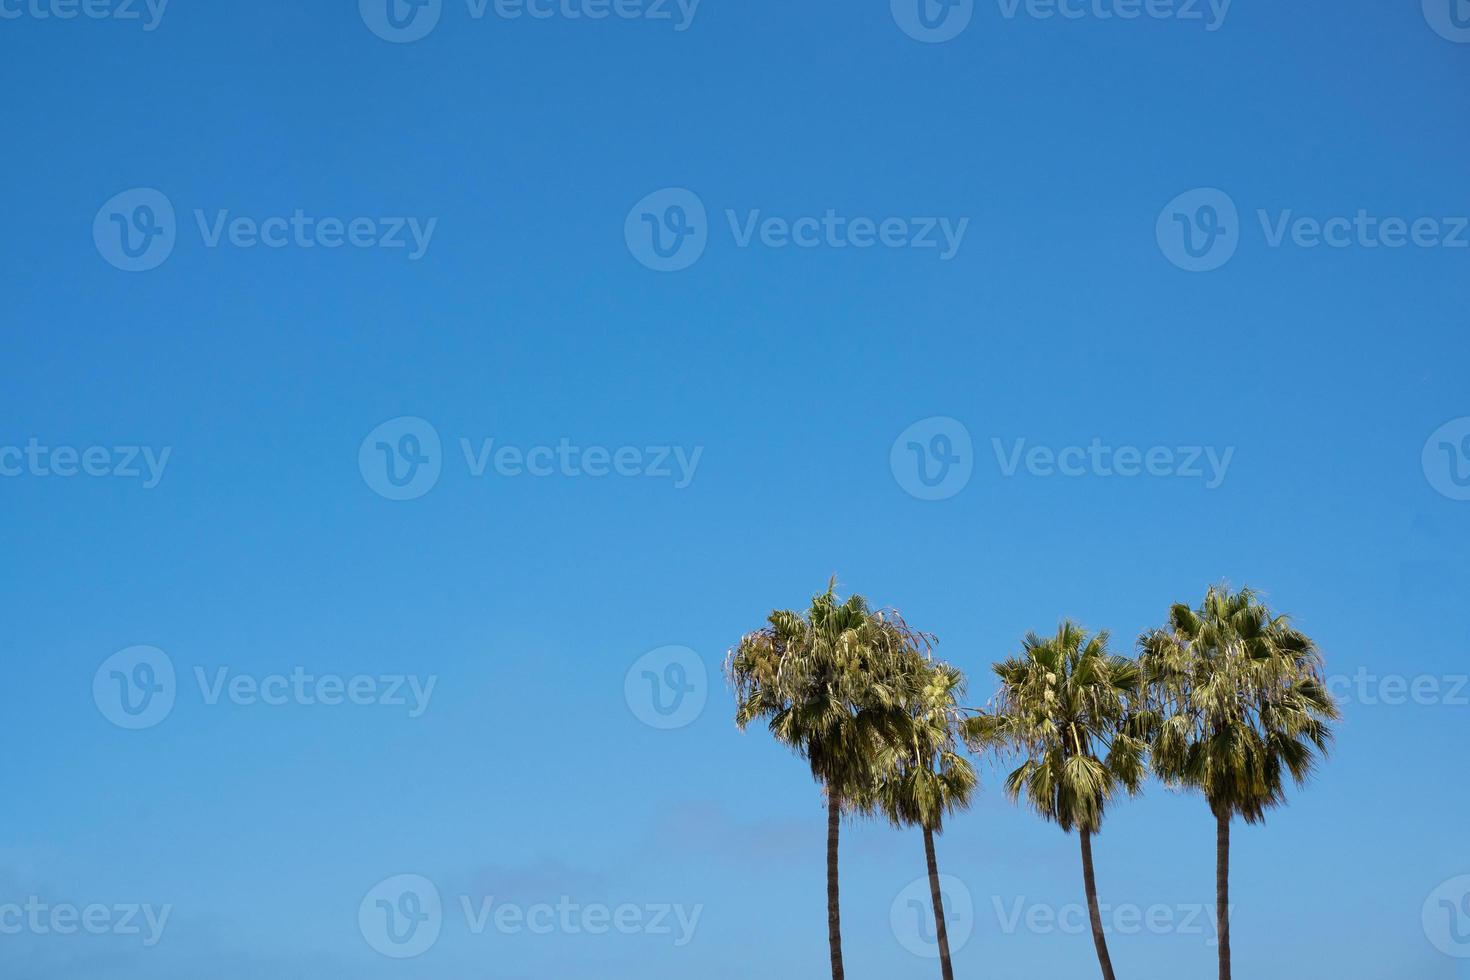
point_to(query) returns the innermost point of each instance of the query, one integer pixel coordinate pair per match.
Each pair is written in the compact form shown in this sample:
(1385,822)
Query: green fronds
(836,685)
(921,777)
(1069,707)
(1241,698)
(1227,698)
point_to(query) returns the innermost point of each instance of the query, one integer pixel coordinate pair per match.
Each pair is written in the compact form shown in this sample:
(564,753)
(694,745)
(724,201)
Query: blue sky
(751,413)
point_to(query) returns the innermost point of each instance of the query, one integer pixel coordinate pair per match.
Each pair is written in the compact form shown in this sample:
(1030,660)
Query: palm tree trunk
(1222,889)
(834,913)
(1090,881)
(938,899)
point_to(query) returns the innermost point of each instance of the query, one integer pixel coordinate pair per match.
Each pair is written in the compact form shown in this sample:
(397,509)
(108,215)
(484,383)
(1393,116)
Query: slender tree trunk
(834,912)
(938,899)
(1090,881)
(1222,889)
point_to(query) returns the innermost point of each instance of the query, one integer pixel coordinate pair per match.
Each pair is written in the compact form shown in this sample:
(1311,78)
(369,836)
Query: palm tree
(1067,705)
(924,778)
(832,686)
(1238,703)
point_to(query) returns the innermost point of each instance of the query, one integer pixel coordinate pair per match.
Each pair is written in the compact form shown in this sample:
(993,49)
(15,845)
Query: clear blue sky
(528,319)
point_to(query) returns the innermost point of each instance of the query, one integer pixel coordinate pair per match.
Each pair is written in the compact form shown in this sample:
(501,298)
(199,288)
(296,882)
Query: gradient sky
(529,319)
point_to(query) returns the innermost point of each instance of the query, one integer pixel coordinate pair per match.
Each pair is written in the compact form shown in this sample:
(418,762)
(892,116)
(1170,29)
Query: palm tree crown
(924,778)
(1066,703)
(1238,702)
(832,684)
